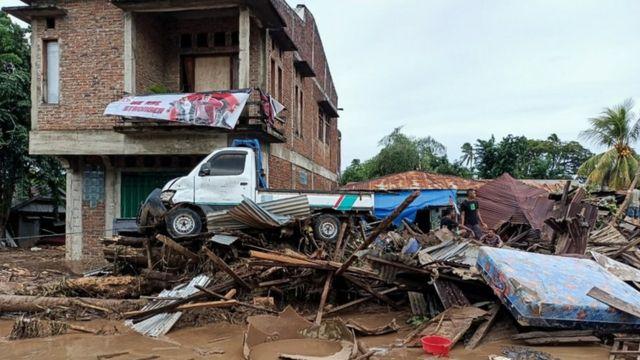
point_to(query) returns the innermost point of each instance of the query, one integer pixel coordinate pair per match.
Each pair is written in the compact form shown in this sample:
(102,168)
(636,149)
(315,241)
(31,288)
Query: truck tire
(183,222)
(326,227)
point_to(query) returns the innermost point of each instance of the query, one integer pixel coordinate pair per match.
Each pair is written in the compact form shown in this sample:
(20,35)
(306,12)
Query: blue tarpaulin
(385,203)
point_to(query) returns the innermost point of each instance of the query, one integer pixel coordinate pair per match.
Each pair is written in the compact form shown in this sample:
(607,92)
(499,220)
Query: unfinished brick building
(88,53)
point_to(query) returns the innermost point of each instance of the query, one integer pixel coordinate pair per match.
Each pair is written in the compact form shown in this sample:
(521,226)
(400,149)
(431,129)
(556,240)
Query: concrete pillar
(35,71)
(73,208)
(110,195)
(244,26)
(129,54)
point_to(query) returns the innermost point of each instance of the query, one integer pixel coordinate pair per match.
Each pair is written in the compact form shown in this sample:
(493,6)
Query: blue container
(551,290)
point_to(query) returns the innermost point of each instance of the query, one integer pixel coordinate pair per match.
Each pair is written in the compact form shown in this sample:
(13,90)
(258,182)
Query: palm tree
(616,128)
(468,155)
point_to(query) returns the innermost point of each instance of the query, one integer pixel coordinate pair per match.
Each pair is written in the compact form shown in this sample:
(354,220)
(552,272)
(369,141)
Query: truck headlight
(167,195)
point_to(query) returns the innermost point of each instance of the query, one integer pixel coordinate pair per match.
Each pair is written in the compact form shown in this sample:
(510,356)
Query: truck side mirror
(205,170)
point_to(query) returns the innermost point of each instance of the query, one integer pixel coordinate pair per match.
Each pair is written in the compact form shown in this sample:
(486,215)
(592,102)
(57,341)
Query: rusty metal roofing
(506,199)
(552,186)
(414,180)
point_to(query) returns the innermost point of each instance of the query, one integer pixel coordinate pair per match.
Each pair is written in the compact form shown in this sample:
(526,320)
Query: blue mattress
(551,291)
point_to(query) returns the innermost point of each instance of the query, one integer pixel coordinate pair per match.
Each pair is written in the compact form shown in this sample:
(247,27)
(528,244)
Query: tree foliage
(400,152)
(525,158)
(616,128)
(19,172)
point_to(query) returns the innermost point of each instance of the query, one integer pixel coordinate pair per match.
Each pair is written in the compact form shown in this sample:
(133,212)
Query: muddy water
(224,341)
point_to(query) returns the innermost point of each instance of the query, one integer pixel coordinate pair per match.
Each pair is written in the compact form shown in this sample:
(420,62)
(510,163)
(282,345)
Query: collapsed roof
(508,200)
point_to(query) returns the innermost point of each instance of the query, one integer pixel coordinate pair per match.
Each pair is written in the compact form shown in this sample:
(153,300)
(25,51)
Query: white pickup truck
(227,176)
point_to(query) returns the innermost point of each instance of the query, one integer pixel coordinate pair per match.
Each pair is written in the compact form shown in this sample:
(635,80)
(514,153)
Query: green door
(136,186)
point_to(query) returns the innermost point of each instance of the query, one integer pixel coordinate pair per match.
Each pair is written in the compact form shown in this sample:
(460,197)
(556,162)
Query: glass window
(227,164)
(52,74)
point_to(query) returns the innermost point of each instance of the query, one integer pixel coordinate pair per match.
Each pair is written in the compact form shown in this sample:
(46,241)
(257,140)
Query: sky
(463,70)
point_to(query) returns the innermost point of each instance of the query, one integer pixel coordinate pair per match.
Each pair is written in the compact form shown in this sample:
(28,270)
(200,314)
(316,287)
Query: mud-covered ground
(224,341)
(28,272)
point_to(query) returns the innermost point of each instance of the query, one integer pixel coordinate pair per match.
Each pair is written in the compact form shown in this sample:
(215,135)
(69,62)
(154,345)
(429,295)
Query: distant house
(438,192)
(35,219)
(415,180)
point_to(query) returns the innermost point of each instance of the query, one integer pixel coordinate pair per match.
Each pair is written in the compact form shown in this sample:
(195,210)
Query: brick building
(88,53)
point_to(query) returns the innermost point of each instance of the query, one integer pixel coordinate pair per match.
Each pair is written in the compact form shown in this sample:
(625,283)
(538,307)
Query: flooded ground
(224,341)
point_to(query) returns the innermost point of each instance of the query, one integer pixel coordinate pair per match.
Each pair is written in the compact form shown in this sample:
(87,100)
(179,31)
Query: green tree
(525,158)
(18,171)
(399,153)
(616,128)
(356,171)
(468,156)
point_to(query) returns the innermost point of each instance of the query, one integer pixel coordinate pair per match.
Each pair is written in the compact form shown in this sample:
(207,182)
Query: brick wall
(280,176)
(91,39)
(150,52)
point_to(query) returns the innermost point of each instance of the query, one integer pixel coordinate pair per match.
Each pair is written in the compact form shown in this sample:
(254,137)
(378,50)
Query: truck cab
(223,179)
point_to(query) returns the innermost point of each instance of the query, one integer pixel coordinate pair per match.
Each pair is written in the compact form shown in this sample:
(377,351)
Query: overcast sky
(463,70)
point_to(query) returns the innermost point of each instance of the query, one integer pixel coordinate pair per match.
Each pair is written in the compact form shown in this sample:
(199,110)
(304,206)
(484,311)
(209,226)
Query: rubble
(565,275)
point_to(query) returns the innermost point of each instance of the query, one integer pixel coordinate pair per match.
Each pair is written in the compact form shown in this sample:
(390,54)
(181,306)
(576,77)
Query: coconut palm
(468,155)
(616,128)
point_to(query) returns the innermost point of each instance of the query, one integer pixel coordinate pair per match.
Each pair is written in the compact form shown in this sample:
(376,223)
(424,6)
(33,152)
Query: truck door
(225,179)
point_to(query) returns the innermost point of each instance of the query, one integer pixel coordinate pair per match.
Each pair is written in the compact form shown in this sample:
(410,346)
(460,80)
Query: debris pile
(557,270)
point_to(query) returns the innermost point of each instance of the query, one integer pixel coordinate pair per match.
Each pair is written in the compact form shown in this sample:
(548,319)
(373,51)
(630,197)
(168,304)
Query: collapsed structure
(564,274)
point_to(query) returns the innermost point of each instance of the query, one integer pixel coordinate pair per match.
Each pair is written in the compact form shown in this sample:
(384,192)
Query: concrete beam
(107,142)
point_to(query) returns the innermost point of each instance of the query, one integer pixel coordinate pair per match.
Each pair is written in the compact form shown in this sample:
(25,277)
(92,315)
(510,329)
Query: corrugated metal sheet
(296,207)
(414,180)
(252,215)
(160,324)
(551,291)
(506,199)
(461,252)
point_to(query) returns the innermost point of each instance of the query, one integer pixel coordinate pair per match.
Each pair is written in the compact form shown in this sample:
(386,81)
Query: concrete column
(129,54)
(110,194)
(35,71)
(73,208)
(244,26)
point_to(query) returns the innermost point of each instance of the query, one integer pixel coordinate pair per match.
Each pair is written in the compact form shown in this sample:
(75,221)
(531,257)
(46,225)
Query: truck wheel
(326,228)
(183,222)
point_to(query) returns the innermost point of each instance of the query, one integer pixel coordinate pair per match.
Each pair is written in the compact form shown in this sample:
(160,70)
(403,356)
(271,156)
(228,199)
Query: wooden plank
(208,304)
(360,301)
(329,279)
(482,330)
(368,289)
(614,347)
(544,334)
(224,267)
(625,247)
(178,248)
(563,340)
(380,228)
(613,301)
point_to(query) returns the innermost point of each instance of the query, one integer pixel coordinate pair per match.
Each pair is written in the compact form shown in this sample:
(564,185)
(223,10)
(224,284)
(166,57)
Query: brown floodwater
(224,341)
